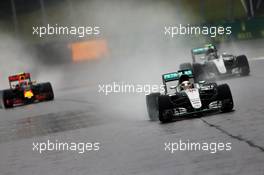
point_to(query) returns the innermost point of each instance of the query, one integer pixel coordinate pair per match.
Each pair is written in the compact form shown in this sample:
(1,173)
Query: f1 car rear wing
(201,50)
(19,77)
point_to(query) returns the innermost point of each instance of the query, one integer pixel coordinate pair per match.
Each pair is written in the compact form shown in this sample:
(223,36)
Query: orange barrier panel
(89,50)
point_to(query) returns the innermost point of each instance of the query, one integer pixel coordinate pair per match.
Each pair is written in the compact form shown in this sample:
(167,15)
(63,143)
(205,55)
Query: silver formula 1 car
(183,97)
(208,65)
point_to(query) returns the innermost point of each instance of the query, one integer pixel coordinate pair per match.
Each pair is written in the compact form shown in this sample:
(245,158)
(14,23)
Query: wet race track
(129,143)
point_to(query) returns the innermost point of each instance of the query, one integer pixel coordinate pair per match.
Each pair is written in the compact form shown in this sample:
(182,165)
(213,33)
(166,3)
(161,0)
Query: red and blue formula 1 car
(24,91)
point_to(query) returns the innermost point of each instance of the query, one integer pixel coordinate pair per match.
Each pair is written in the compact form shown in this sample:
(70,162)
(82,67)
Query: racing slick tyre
(225,96)
(198,72)
(165,109)
(7,97)
(186,66)
(243,65)
(46,89)
(152,106)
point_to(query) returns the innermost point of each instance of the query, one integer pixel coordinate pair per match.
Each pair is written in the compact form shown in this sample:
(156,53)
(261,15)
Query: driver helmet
(184,82)
(186,85)
(211,53)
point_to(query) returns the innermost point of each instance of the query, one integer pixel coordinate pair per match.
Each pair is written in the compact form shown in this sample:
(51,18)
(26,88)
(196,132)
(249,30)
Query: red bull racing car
(24,91)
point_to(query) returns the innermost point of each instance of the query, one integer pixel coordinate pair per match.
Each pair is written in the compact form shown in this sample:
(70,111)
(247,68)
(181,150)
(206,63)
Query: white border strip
(257,59)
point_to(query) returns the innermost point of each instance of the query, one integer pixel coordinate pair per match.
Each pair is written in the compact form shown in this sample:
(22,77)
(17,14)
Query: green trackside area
(209,10)
(241,30)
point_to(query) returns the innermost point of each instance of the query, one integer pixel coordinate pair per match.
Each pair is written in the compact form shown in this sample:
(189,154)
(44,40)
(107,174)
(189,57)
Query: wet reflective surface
(129,143)
(46,124)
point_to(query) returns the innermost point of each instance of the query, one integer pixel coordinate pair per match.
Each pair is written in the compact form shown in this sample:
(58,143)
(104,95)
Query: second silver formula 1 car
(208,65)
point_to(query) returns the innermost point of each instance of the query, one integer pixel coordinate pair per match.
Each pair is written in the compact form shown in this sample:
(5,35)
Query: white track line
(257,59)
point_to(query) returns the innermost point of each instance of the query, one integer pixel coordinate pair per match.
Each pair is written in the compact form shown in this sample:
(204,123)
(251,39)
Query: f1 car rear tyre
(165,109)
(8,97)
(186,66)
(225,96)
(243,65)
(152,106)
(46,88)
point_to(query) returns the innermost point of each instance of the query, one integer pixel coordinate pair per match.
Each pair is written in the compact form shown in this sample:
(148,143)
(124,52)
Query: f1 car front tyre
(152,106)
(7,97)
(165,109)
(225,96)
(184,66)
(46,89)
(243,65)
